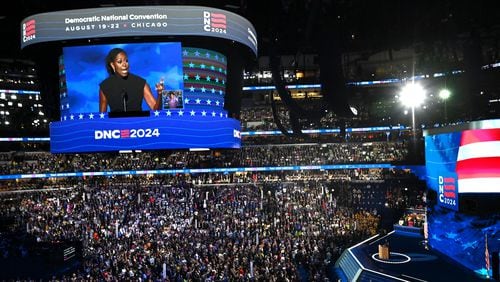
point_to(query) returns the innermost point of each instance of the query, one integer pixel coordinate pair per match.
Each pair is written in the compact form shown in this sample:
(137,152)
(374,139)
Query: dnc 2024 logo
(29,30)
(214,22)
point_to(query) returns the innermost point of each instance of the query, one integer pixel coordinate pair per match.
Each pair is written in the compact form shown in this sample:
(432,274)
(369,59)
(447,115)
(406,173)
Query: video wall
(185,51)
(463,167)
(85,69)
(189,105)
(465,160)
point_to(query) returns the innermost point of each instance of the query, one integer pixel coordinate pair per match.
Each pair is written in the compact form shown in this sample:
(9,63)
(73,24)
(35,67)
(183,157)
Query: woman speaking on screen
(123,91)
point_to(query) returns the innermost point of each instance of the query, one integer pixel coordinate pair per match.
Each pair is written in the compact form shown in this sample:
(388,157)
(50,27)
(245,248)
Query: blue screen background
(441,151)
(85,69)
(459,235)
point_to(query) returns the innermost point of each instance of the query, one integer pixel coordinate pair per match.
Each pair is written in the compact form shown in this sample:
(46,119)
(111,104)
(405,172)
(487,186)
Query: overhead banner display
(137,21)
(97,134)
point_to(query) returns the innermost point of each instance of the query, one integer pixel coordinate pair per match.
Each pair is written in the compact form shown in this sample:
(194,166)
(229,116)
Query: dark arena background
(289,141)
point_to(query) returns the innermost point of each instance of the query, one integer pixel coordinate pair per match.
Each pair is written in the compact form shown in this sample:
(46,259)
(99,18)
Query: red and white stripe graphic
(218,20)
(125,133)
(478,161)
(486,253)
(29,27)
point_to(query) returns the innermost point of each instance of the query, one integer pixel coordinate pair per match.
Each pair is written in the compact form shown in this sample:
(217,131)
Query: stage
(409,260)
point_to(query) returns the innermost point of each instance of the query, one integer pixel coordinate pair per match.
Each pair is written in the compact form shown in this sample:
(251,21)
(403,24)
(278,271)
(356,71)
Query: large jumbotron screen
(187,52)
(194,77)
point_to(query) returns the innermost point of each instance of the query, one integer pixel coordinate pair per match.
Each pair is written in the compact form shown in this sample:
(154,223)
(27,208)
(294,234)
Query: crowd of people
(269,155)
(176,228)
(247,226)
(261,117)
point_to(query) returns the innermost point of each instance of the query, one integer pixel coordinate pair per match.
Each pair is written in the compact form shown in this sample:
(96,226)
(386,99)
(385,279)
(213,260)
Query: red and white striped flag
(486,253)
(478,161)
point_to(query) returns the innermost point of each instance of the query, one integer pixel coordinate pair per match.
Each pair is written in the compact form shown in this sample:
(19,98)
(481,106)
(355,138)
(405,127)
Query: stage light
(444,94)
(354,110)
(412,95)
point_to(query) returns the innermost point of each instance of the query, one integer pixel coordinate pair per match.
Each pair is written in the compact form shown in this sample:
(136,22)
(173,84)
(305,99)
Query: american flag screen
(463,162)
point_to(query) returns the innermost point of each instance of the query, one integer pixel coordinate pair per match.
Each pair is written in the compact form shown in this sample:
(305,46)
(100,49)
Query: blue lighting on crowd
(194,170)
(13,91)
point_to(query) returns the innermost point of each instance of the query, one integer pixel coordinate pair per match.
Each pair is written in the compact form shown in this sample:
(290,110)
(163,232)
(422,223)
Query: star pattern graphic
(155,114)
